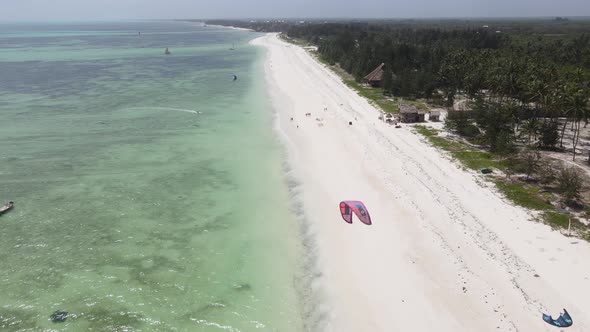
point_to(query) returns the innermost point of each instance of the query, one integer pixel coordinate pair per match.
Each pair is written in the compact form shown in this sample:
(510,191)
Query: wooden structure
(411,114)
(434,116)
(374,78)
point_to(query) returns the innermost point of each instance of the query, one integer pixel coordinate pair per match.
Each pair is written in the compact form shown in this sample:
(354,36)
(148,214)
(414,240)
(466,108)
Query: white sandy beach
(228,27)
(445,251)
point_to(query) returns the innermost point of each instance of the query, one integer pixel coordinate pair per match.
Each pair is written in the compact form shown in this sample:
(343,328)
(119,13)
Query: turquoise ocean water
(148,188)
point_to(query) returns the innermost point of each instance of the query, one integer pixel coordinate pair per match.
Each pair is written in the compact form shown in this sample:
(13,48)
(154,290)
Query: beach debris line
(358,207)
(59,316)
(6,207)
(564,319)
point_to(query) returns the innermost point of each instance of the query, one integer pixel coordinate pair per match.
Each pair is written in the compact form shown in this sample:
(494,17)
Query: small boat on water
(167,52)
(6,207)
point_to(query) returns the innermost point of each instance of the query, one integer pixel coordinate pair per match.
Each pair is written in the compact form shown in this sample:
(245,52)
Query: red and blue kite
(348,207)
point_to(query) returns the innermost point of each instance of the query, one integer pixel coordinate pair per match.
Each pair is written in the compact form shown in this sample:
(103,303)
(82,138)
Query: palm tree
(530,129)
(576,102)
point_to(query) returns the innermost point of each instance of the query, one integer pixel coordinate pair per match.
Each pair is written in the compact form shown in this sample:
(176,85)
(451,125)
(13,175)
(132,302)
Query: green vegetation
(556,220)
(374,95)
(295,41)
(470,158)
(524,195)
(478,159)
(561,221)
(570,183)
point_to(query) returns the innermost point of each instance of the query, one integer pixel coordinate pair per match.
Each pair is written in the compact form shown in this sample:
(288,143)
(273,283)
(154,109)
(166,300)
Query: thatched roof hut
(374,78)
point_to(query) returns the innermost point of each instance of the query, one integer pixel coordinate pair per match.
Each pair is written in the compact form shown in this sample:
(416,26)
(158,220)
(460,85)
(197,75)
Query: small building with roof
(411,114)
(434,116)
(375,77)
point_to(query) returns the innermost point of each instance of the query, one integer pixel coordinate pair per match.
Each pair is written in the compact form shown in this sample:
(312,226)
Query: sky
(50,10)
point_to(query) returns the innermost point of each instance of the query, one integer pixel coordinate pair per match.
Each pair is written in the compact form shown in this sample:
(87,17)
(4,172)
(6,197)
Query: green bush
(523,195)
(570,183)
(549,135)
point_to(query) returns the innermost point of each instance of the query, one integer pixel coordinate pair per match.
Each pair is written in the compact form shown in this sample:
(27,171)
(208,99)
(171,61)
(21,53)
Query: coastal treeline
(433,62)
(520,80)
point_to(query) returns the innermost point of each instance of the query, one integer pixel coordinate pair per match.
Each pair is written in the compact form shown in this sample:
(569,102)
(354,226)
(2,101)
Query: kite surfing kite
(235,77)
(564,320)
(348,207)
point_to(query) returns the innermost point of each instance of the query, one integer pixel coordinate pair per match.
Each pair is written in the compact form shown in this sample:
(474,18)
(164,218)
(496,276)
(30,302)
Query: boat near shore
(6,207)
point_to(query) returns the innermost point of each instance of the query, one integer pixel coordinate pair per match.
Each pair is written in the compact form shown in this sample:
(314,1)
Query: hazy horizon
(72,10)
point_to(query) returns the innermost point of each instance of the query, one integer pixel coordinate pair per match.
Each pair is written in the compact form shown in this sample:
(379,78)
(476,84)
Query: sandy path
(445,253)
